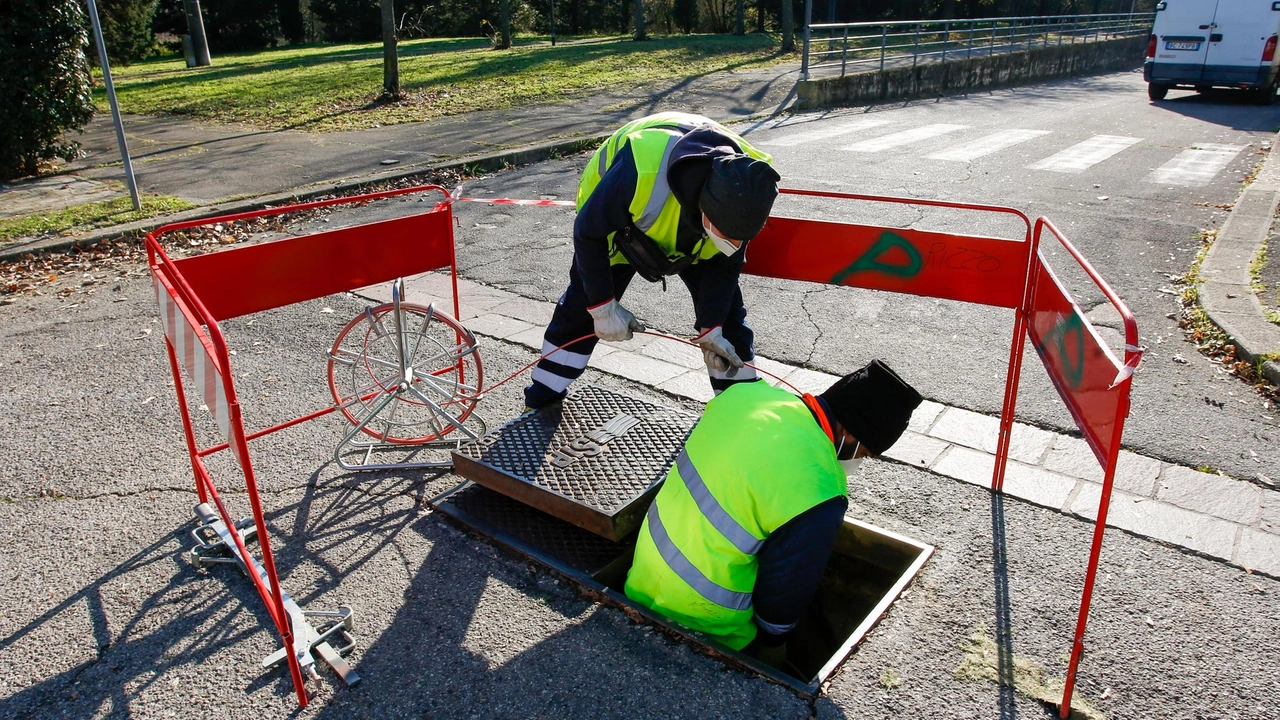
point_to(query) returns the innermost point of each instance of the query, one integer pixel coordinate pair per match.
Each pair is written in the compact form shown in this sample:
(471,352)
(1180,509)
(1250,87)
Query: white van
(1214,43)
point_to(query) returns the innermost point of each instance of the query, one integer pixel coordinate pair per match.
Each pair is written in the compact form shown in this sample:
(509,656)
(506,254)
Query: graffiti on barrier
(944,256)
(873,260)
(1067,334)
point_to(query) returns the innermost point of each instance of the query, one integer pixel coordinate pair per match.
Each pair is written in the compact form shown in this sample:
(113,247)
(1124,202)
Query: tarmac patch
(50,194)
(982,661)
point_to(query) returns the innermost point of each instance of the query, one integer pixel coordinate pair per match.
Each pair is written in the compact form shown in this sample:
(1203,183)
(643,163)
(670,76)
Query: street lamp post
(115,107)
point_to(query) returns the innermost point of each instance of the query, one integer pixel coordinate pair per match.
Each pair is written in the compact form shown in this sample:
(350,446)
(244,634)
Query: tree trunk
(639,8)
(195,28)
(504,25)
(740,15)
(788,27)
(390,61)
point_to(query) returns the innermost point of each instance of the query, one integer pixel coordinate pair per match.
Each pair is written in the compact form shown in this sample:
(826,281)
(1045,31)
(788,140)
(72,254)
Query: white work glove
(614,322)
(717,352)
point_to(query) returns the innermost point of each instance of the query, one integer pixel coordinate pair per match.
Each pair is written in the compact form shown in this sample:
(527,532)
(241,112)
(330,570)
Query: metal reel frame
(437,389)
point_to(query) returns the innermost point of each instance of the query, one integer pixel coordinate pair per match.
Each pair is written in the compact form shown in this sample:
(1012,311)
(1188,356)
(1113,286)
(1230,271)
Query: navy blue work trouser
(570,321)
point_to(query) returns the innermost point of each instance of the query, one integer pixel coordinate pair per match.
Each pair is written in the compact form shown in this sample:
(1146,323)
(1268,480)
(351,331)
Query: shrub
(350,20)
(126,29)
(44,80)
(232,25)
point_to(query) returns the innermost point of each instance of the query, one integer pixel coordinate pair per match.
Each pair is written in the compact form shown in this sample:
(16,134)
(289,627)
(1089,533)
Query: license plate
(1182,46)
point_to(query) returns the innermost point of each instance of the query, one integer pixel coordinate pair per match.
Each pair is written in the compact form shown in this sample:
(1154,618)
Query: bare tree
(788,27)
(390,61)
(639,6)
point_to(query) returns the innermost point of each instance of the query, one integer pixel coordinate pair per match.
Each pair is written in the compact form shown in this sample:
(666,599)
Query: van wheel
(1266,95)
(1156,91)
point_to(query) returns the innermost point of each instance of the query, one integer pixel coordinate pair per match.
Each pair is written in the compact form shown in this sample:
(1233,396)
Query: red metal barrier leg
(268,562)
(1013,374)
(1021,321)
(271,596)
(1086,597)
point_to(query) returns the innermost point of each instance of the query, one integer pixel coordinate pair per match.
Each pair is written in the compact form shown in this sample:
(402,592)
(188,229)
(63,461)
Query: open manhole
(579,537)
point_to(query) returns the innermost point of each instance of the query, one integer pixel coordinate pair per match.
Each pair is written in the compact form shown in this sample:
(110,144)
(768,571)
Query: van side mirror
(1274,5)
(1162,5)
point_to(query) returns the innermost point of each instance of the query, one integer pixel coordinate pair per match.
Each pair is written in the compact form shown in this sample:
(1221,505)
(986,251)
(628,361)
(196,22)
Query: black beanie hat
(873,404)
(738,195)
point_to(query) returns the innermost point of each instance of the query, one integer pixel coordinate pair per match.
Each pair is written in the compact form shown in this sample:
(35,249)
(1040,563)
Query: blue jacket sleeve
(717,287)
(791,564)
(607,210)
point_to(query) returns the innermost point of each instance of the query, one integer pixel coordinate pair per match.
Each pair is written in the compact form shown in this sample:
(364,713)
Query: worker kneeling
(736,541)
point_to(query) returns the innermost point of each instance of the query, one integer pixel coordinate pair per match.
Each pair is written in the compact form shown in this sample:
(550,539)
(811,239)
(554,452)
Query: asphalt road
(103,617)
(1138,233)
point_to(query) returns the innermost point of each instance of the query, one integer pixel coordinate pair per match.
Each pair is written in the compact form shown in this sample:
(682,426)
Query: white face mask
(724,245)
(852,464)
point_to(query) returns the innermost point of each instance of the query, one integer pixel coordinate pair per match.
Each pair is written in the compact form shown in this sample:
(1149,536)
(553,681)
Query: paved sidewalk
(1212,515)
(229,168)
(1226,287)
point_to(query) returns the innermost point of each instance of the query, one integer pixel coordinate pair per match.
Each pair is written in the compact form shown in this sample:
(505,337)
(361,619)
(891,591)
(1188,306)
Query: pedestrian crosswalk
(1086,154)
(987,145)
(1194,166)
(905,137)
(1197,165)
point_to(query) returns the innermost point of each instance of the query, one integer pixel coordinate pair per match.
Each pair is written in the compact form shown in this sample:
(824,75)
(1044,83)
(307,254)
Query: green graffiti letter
(870,261)
(1069,325)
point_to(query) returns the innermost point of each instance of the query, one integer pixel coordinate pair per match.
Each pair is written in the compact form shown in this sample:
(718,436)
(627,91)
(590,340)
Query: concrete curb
(1225,289)
(480,163)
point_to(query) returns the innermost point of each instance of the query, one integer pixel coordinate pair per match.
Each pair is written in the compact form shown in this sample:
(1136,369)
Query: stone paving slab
(1161,521)
(971,429)
(1259,551)
(916,449)
(498,326)
(1218,516)
(1134,473)
(1210,493)
(677,354)
(637,367)
(692,384)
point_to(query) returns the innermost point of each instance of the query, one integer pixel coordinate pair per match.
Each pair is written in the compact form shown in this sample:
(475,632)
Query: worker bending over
(736,541)
(669,194)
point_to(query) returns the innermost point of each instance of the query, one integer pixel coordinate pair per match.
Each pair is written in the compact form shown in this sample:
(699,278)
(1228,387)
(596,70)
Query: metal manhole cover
(594,461)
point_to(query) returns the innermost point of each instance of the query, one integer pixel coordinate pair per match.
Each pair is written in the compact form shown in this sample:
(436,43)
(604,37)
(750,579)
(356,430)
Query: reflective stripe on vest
(660,191)
(719,518)
(686,570)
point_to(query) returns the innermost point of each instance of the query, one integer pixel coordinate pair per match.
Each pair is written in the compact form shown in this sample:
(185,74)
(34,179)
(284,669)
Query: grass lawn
(79,218)
(335,87)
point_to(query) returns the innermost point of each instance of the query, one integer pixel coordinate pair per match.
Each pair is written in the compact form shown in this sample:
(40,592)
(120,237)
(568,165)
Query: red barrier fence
(1006,273)
(195,293)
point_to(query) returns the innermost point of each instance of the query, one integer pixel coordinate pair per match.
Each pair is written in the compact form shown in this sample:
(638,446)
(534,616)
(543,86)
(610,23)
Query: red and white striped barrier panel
(194,352)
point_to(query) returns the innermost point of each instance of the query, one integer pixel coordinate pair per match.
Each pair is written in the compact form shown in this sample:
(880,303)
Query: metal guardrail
(872,46)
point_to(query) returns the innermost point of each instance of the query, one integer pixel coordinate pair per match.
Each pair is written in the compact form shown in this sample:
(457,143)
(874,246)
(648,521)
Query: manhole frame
(592,587)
